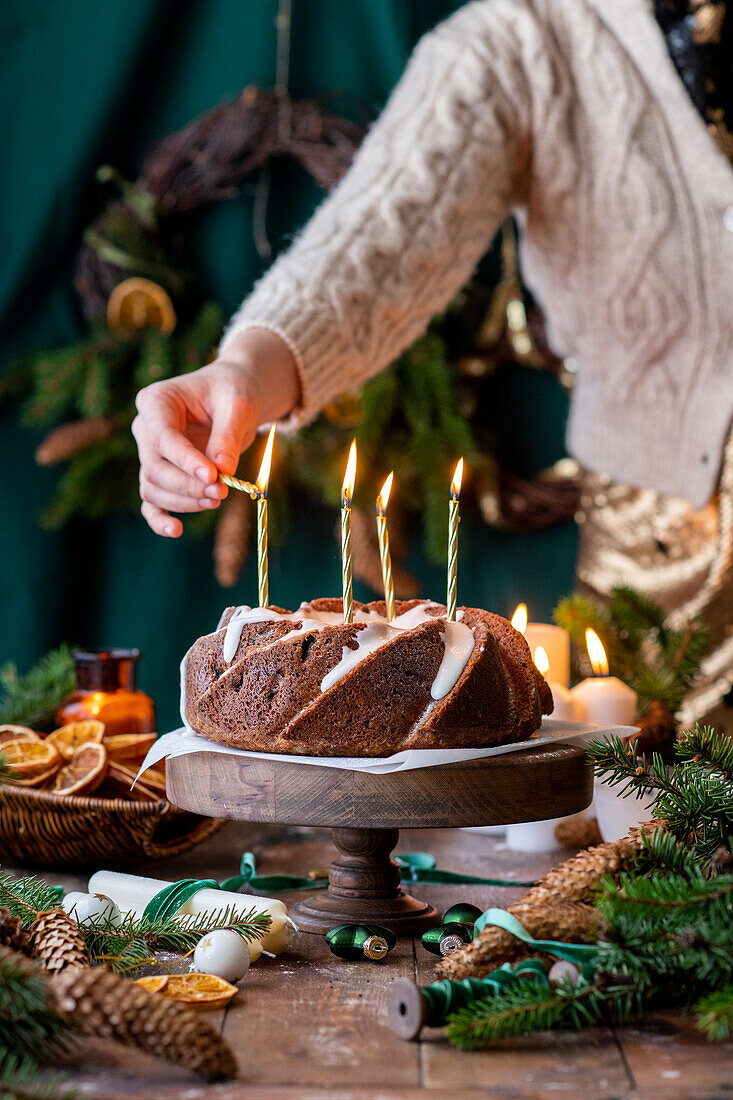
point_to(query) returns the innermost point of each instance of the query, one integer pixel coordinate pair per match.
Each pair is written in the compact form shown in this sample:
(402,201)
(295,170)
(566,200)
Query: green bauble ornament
(462,913)
(446,938)
(360,941)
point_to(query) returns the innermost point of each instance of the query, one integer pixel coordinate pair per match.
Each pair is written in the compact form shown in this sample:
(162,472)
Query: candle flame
(347,489)
(541,660)
(596,652)
(455,485)
(263,477)
(519,618)
(383,498)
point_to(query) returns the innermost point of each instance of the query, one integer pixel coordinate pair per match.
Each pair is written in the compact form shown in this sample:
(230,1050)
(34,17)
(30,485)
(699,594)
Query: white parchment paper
(183,741)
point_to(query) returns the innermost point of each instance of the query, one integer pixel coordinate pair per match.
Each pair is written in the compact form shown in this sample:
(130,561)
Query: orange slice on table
(17,733)
(202,991)
(128,746)
(84,772)
(154,983)
(69,738)
(26,759)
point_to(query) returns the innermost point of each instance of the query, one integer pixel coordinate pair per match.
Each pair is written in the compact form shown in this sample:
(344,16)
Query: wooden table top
(310,1026)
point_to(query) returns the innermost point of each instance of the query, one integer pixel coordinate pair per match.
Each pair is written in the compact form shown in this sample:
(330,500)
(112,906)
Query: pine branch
(707,747)
(27,897)
(30,1031)
(714,1014)
(32,699)
(127,945)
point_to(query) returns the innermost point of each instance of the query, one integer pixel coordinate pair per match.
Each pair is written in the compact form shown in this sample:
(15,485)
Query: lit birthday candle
(347,575)
(384,554)
(453,521)
(263,480)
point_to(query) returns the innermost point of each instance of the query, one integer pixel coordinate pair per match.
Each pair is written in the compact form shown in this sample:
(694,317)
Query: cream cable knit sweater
(571,114)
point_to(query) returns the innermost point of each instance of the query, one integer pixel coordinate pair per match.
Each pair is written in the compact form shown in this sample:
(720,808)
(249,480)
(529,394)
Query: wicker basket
(41,827)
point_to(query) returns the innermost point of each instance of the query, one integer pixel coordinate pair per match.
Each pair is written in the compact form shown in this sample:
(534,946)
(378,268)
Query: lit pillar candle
(263,481)
(384,554)
(554,640)
(603,699)
(347,573)
(453,520)
(564,708)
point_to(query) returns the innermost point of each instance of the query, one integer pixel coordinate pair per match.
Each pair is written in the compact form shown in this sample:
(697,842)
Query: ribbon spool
(410,1008)
(447,938)
(360,941)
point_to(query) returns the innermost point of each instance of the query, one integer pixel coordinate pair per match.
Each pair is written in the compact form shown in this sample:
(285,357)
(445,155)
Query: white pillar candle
(132,893)
(603,699)
(564,704)
(554,640)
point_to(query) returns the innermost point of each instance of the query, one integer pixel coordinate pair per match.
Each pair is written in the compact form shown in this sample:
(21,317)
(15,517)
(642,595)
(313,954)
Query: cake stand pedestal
(365,813)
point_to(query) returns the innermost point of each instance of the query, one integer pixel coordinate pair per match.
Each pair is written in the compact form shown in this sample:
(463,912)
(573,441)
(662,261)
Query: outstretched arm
(389,248)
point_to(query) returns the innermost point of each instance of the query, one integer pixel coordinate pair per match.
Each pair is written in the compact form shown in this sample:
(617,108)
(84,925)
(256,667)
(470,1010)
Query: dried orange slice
(155,983)
(203,991)
(84,772)
(26,759)
(42,780)
(128,746)
(68,739)
(17,733)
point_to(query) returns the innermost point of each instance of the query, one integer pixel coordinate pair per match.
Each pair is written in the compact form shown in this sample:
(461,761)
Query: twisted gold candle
(384,555)
(453,521)
(237,483)
(347,493)
(263,480)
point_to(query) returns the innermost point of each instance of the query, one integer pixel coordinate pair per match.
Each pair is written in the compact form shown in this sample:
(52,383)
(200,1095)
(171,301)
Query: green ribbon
(574,952)
(414,867)
(420,867)
(168,901)
(446,997)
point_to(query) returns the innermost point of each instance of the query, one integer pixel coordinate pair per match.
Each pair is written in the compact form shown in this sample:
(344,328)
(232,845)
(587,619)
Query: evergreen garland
(668,927)
(30,1031)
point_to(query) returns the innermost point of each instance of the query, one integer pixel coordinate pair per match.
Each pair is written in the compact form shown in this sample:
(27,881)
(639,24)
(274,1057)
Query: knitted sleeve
(420,204)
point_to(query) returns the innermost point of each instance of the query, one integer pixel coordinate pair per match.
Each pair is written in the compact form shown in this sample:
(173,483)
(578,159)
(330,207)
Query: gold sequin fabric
(679,556)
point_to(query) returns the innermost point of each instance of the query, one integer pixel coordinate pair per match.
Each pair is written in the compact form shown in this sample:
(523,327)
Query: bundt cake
(306,683)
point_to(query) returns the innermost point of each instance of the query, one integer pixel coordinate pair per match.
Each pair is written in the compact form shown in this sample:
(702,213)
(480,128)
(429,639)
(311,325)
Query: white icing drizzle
(457,638)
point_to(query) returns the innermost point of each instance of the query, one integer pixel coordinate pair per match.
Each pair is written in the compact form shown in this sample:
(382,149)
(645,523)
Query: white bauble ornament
(223,953)
(70,899)
(88,908)
(562,969)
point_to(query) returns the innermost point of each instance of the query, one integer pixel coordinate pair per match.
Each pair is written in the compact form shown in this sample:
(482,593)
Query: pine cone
(365,551)
(578,833)
(98,1002)
(12,933)
(555,909)
(57,942)
(69,439)
(657,732)
(231,538)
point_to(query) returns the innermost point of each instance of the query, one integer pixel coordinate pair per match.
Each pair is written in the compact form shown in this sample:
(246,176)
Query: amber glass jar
(106,688)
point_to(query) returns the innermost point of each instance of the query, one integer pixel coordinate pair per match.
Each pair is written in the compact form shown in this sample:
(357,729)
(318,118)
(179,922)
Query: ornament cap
(375,947)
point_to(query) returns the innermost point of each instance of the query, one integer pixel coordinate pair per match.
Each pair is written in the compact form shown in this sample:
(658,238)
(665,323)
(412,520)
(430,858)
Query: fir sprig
(714,1014)
(125,946)
(30,1031)
(32,699)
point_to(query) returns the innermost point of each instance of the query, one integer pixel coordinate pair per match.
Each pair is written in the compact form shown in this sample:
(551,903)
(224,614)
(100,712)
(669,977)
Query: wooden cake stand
(366,812)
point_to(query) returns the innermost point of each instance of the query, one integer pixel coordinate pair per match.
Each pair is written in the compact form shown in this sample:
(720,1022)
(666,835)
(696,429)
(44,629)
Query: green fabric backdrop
(84,83)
